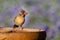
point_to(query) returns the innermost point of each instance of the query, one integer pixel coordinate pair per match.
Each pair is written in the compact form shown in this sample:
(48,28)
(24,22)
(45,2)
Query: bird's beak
(25,13)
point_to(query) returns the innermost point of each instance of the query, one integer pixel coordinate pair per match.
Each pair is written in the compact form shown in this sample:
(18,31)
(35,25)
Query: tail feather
(15,26)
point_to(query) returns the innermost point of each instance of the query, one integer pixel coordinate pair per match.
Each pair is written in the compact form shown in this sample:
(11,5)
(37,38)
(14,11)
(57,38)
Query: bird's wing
(15,18)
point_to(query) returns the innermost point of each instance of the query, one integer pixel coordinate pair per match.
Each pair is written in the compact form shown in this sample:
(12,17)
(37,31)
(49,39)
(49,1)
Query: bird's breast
(19,20)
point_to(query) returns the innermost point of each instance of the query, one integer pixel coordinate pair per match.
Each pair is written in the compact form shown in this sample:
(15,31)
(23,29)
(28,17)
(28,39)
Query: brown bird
(20,19)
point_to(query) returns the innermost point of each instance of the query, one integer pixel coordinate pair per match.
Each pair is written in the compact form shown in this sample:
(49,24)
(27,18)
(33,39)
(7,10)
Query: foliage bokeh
(43,14)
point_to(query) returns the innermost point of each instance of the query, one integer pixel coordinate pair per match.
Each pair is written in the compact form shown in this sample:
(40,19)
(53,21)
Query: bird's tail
(15,26)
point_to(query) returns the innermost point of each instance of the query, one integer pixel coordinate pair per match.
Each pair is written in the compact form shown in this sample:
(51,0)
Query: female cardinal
(20,18)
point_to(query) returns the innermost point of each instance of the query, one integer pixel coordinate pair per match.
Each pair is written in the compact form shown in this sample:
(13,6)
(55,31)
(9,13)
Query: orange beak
(25,13)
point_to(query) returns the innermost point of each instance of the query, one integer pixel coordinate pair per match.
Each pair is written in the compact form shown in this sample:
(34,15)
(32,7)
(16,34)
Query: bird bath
(25,34)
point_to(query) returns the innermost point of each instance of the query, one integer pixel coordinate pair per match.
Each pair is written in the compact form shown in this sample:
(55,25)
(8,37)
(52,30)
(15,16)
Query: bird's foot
(20,28)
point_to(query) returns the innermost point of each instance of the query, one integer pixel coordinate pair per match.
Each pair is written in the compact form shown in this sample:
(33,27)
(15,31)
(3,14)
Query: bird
(19,19)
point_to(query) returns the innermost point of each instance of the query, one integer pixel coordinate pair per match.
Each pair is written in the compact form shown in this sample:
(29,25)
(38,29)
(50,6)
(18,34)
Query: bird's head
(23,12)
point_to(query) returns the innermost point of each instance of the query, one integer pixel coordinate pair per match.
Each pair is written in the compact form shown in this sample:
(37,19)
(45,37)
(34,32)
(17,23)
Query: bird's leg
(21,27)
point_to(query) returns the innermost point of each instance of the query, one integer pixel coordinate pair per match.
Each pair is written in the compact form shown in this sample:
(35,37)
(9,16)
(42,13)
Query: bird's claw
(20,28)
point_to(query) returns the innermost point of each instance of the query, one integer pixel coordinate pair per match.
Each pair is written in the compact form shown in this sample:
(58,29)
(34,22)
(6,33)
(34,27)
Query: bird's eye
(22,11)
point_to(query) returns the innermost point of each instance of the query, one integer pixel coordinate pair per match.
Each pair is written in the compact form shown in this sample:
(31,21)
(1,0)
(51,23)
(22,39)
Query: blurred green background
(43,14)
